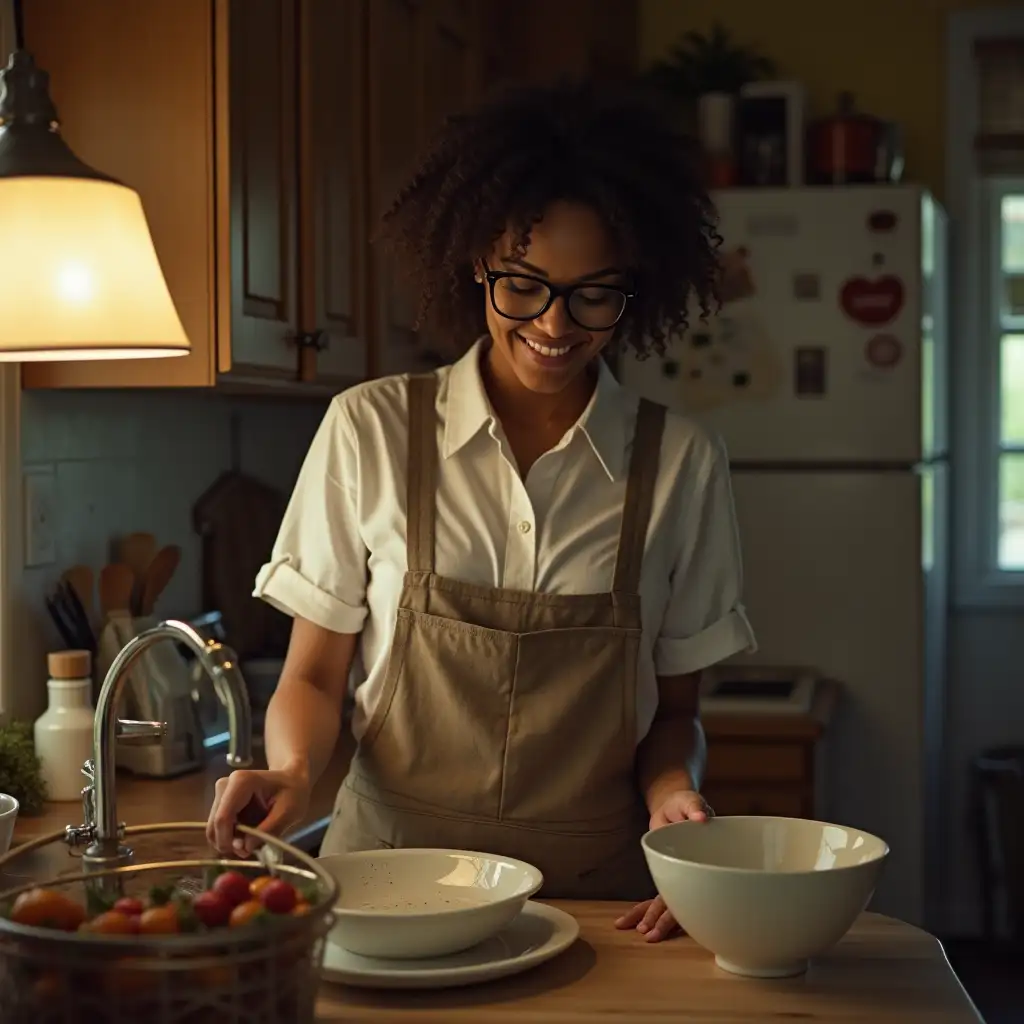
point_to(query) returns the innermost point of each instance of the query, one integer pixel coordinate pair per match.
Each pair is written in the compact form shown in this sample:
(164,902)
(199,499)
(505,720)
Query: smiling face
(569,246)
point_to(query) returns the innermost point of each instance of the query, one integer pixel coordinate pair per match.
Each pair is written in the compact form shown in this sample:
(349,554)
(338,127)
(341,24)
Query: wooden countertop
(883,970)
(186,798)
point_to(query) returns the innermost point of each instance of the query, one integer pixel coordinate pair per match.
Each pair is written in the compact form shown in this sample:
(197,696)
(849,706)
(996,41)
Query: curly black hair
(499,167)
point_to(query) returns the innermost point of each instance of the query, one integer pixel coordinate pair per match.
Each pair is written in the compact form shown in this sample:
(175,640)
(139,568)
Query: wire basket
(265,972)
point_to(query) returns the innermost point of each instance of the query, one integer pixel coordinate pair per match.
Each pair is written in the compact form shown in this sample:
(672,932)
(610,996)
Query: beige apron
(507,720)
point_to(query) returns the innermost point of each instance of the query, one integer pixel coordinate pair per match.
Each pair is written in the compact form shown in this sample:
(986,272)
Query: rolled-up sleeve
(317,570)
(705,621)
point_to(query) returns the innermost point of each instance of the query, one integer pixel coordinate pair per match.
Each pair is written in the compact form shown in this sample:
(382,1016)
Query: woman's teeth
(545,350)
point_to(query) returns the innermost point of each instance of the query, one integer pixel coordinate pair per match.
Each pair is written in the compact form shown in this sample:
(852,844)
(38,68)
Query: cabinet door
(258,338)
(332,210)
(395,120)
(423,65)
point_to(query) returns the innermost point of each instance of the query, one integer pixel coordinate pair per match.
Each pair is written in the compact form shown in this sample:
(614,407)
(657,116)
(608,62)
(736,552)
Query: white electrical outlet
(40,516)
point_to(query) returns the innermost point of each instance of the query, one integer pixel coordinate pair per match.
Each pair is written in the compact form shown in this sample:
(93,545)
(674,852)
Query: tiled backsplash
(126,461)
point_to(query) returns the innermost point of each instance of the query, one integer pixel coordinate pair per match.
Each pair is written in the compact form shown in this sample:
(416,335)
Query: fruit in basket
(212,909)
(160,920)
(112,922)
(47,908)
(301,909)
(130,906)
(233,886)
(278,896)
(247,913)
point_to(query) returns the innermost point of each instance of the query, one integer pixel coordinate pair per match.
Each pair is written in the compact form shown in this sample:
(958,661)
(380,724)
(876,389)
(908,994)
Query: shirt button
(524,527)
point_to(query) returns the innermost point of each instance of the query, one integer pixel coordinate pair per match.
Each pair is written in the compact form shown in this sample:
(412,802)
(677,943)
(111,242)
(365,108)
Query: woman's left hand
(652,918)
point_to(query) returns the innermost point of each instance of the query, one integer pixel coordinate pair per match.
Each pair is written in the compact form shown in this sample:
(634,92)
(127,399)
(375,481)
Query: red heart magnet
(872,303)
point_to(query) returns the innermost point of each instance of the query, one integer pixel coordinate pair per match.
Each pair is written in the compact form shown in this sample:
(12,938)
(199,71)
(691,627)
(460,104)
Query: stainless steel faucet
(102,832)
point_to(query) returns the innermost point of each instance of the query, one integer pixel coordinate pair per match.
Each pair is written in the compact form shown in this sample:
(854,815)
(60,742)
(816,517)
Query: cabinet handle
(315,340)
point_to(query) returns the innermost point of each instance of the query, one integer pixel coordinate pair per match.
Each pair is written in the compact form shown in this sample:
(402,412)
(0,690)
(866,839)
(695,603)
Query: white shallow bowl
(764,894)
(8,816)
(406,904)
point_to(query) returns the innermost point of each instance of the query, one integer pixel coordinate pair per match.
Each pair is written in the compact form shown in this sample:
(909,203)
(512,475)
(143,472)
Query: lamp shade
(79,276)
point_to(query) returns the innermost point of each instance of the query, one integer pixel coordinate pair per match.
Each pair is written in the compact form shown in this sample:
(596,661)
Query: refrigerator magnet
(883,351)
(872,302)
(882,220)
(809,371)
(806,287)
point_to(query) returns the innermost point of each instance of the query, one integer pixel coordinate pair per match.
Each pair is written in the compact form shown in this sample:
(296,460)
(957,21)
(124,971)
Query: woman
(522,566)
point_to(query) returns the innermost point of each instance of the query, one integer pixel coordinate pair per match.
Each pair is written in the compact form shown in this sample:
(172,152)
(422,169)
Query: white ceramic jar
(63,733)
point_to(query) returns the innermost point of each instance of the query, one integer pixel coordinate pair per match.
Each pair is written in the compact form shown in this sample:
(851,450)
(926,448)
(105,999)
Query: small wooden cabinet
(263,137)
(768,764)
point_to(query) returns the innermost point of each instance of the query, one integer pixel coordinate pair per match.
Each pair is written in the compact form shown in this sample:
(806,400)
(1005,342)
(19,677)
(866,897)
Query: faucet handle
(89,770)
(139,734)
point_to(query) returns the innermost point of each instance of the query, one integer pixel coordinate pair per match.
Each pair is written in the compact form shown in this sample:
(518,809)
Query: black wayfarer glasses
(594,307)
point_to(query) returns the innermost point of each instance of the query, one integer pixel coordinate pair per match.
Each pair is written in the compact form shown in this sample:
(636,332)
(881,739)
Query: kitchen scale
(757,690)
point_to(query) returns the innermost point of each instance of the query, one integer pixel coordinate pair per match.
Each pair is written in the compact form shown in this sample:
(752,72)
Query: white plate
(539,933)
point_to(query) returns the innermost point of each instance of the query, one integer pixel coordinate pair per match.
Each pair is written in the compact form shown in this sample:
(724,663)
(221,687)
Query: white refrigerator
(824,372)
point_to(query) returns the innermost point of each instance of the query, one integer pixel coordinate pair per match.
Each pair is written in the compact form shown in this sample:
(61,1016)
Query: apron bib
(507,719)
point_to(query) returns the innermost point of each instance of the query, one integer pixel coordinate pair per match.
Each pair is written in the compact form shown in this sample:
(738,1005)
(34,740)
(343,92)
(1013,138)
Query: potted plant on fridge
(703,75)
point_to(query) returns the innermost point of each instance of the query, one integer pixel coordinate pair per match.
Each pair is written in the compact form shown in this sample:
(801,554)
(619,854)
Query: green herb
(20,769)
(160,895)
(308,892)
(701,64)
(187,920)
(5,909)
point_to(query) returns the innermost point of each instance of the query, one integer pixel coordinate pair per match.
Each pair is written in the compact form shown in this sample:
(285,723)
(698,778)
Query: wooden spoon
(137,550)
(158,575)
(116,584)
(80,579)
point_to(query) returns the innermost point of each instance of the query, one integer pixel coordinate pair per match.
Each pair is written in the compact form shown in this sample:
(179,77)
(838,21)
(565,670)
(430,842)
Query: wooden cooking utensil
(116,584)
(80,579)
(137,550)
(158,575)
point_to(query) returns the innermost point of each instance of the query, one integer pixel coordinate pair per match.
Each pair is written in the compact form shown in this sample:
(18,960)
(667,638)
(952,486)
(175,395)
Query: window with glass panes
(999,147)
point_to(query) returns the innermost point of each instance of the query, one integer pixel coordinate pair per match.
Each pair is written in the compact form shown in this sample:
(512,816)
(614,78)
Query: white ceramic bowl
(8,816)
(764,894)
(405,904)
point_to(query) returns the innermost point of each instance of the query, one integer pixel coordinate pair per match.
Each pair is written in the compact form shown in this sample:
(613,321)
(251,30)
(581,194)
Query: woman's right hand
(272,801)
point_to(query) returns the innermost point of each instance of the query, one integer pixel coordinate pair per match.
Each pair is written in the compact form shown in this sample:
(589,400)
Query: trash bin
(998,804)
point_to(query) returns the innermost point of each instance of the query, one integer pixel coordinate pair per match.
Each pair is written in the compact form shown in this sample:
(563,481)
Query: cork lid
(69,664)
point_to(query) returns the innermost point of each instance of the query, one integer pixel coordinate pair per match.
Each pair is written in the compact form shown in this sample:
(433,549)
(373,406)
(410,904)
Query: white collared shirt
(340,555)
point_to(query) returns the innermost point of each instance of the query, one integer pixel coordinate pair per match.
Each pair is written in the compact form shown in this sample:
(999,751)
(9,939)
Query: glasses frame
(555,292)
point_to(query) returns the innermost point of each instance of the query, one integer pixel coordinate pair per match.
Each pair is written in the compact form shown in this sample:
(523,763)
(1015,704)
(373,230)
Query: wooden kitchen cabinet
(265,138)
(240,124)
(769,764)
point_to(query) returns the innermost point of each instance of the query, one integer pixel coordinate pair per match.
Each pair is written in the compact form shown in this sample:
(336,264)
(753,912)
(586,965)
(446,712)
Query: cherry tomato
(159,921)
(130,906)
(278,897)
(233,886)
(257,885)
(246,912)
(212,908)
(113,922)
(45,908)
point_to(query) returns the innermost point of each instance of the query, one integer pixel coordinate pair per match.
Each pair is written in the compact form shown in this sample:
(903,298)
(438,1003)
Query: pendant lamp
(79,277)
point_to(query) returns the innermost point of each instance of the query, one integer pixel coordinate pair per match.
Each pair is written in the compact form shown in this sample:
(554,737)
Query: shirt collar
(468,411)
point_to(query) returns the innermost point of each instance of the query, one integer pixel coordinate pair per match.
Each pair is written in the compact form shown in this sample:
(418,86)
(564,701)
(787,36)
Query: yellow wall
(891,54)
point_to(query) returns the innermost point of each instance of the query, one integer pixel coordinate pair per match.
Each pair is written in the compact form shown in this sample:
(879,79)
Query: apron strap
(421,473)
(636,511)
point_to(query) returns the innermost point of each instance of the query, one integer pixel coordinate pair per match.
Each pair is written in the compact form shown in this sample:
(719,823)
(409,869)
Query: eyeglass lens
(594,307)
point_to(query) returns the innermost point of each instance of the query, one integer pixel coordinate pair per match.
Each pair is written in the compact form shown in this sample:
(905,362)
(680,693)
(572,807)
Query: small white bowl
(8,816)
(406,904)
(764,894)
